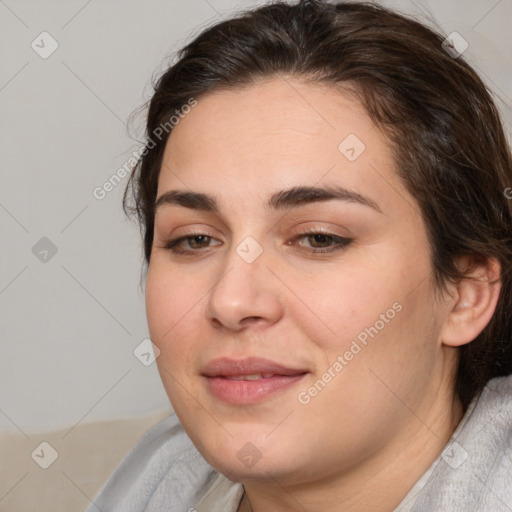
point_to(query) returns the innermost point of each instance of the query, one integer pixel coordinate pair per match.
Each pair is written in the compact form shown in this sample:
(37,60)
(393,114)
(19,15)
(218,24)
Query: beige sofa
(87,455)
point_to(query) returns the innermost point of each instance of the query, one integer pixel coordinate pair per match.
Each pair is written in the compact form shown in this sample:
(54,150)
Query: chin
(260,468)
(249,454)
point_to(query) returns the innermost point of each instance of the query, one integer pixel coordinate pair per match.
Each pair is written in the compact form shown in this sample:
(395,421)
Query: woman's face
(350,313)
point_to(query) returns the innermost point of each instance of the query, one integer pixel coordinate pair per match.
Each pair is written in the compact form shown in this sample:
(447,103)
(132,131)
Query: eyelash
(341,242)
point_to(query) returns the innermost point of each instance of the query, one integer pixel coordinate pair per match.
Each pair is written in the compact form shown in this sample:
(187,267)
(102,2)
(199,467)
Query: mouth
(254,376)
(249,380)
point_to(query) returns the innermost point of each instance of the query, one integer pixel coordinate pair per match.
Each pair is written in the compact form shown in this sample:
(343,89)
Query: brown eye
(195,242)
(324,242)
(193,239)
(320,239)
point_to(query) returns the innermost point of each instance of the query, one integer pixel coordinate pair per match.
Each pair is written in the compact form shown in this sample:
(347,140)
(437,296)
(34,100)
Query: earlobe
(475,301)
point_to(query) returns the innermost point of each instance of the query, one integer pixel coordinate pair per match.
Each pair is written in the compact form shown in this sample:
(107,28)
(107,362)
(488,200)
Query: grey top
(164,472)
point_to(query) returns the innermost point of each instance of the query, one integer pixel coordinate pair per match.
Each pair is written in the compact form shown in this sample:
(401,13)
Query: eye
(195,241)
(322,241)
(319,242)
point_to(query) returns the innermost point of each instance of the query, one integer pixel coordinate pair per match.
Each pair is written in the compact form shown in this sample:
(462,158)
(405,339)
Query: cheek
(382,348)
(342,303)
(378,309)
(173,304)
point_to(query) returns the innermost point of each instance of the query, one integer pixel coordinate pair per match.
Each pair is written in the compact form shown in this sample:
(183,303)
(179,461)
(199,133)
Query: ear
(473,301)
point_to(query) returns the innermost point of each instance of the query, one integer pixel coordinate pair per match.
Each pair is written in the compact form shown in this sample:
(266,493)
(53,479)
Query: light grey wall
(69,324)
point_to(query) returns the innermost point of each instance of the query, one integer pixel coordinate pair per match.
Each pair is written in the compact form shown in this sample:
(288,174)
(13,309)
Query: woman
(328,239)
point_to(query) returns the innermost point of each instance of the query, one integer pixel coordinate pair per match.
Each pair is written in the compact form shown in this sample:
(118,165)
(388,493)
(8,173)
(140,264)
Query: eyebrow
(288,198)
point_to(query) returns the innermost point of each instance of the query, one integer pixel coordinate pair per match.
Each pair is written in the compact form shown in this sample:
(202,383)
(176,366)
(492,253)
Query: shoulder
(474,471)
(488,427)
(163,471)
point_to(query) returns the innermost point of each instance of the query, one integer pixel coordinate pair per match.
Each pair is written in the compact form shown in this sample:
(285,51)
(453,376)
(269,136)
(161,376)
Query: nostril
(251,320)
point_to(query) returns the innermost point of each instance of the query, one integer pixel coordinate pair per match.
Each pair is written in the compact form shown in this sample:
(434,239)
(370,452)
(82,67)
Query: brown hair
(448,141)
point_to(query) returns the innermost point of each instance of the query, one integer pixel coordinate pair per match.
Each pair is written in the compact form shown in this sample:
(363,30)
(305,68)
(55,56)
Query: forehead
(276,134)
(284,114)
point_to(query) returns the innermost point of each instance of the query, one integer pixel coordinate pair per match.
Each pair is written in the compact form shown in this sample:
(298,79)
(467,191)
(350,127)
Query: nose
(246,293)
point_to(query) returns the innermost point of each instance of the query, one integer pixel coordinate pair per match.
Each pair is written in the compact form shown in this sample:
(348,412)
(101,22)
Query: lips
(249,381)
(250,366)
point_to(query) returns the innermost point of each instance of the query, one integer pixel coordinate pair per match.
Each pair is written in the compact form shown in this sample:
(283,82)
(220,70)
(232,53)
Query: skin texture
(375,428)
